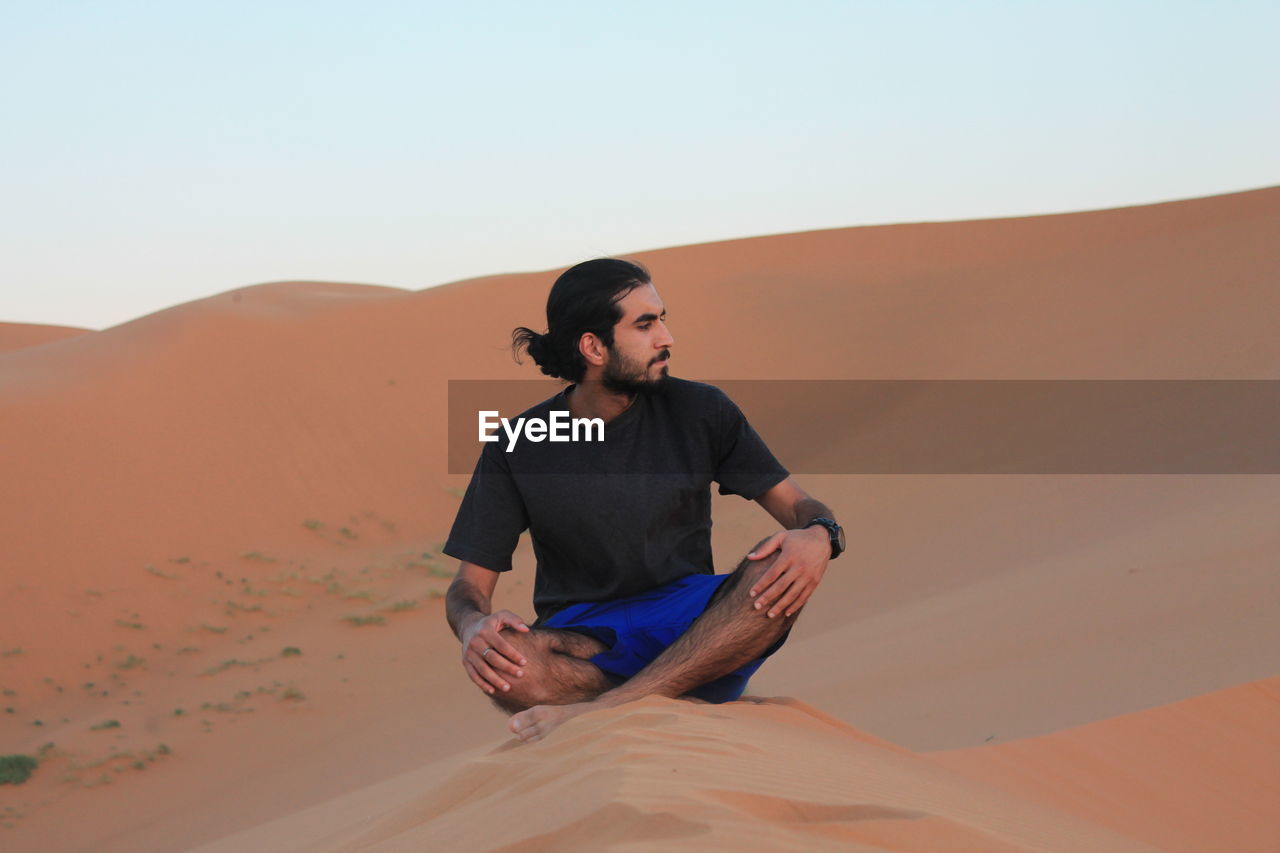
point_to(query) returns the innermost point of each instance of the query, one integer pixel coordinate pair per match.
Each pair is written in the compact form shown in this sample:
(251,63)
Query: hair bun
(545,355)
(539,347)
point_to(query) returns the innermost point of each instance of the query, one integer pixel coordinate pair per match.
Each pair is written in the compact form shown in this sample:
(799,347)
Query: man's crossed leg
(559,681)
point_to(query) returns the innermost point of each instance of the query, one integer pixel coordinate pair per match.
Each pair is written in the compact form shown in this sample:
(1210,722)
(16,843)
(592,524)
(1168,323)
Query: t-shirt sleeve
(491,518)
(746,466)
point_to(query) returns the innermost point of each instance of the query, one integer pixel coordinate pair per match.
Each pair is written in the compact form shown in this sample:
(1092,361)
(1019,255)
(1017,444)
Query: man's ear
(592,348)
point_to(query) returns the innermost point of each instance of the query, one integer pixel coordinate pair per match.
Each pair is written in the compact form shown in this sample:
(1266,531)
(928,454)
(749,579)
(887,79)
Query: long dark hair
(583,299)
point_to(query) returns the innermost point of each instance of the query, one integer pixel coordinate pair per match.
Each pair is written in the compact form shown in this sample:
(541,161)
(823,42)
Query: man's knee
(551,676)
(526,690)
(754,570)
(744,578)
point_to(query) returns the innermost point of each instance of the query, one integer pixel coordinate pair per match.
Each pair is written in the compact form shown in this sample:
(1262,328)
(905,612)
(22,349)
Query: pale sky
(158,152)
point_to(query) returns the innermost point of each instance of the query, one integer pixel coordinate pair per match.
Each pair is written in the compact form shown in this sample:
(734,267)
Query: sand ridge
(14,336)
(1211,760)
(768,775)
(189,495)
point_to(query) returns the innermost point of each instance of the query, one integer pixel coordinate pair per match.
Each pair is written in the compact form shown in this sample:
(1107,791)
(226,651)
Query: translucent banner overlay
(968,426)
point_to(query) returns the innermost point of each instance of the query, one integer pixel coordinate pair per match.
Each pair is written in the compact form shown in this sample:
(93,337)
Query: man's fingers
(784,603)
(497,661)
(503,655)
(766,547)
(506,617)
(768,578)
(804,599)
(508,651)
(767,588)
(776,590)
(493,661)
(489,675)
(481,663)
(474,676)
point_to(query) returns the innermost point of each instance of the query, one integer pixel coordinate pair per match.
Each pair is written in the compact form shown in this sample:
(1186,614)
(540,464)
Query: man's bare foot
(539,721)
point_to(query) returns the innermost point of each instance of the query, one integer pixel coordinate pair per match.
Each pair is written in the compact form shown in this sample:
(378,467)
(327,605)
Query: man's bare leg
(729,634)
(558,672)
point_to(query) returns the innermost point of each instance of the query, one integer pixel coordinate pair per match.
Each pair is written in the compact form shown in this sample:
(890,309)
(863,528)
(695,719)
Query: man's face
(641,349)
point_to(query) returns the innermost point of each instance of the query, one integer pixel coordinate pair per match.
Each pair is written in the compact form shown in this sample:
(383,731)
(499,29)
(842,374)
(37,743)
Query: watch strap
(833,533)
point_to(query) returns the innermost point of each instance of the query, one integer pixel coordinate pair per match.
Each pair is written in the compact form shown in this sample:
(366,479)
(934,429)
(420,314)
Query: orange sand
(191,494)
(22,335)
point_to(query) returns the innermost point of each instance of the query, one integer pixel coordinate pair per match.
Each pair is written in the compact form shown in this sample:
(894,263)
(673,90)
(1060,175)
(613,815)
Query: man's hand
(802,560)
(485,667)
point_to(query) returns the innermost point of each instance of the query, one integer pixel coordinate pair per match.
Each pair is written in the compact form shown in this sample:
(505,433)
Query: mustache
(662,356)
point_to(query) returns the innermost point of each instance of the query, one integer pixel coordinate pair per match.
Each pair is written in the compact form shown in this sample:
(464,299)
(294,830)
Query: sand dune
(191,495)
(21,335)
(1205,771)
(1202,774)
(778,775)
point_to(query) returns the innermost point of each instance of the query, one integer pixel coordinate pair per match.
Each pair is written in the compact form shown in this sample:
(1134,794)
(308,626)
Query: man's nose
(666,340)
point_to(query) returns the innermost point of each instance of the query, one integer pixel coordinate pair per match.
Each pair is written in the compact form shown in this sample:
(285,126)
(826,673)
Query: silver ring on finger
(485,653)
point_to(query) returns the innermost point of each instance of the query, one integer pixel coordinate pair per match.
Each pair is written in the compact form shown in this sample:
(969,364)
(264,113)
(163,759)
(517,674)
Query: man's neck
(590,399)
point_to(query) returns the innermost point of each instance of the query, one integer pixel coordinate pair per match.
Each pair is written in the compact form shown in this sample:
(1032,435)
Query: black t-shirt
(616,517)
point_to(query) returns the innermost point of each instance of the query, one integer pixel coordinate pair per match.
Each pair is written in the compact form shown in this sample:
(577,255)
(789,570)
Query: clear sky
(156,152)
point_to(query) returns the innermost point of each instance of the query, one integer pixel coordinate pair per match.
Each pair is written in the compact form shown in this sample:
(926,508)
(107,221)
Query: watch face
(840,538)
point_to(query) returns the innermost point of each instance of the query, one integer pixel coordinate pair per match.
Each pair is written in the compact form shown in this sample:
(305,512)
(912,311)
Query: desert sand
(220,614)
(22,335)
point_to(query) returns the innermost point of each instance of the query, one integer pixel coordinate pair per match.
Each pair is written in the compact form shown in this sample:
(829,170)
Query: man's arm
(469,596)
(792,506)
(805,552)
(485,653)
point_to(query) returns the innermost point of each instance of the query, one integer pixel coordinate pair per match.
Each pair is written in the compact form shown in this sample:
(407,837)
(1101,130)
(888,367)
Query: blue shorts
(639,628)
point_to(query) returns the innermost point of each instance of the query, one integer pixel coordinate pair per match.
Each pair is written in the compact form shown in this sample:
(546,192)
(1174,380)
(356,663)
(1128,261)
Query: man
(628,604)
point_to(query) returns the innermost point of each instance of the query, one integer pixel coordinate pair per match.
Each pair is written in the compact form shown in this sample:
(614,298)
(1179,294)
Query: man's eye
(644,325)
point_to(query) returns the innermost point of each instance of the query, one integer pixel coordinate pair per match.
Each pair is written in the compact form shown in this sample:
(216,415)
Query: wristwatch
(835,531)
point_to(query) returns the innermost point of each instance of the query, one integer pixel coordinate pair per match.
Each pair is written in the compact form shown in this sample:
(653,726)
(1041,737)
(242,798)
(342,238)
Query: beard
(625,376)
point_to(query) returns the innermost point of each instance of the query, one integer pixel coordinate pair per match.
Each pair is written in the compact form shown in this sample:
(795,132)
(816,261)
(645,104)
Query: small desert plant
(234,606)
(290,651)
(407,604)
(360,621)
(105,724)
(225,665)
(223,707)
(16,769)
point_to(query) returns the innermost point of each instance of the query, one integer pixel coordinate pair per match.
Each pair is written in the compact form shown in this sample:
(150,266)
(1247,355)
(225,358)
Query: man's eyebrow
(649,318)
